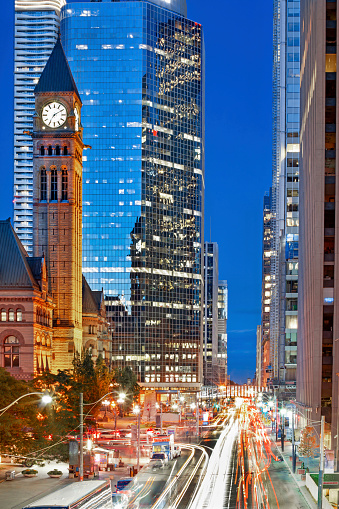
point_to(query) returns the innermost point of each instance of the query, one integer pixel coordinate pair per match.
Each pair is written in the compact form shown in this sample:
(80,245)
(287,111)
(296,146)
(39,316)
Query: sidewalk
(287,454)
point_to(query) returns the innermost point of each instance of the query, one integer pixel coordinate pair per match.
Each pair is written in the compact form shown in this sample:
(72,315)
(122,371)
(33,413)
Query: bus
(78,495)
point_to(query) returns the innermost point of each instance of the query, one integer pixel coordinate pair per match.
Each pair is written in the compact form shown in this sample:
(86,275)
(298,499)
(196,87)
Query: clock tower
(57,200)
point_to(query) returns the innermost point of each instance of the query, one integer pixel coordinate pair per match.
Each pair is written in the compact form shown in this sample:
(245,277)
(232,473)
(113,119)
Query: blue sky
(238,39)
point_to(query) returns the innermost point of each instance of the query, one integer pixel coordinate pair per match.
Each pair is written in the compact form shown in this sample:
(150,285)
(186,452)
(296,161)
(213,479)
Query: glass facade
(222,331)
(36,31)
(211,275)
(139,70)
(285,194)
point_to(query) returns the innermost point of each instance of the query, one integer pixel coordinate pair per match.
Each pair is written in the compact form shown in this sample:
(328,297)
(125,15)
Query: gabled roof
(57,75)
(98,296)
(15,270)
(89,305)
(35,263)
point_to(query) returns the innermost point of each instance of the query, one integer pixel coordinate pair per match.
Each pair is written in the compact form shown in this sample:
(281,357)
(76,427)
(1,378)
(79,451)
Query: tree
(93,380)
(124,380)
(308,443)
(21,428)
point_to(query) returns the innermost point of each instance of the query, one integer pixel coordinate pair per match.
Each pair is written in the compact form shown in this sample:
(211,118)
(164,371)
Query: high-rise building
(36,31)
(139,67)
(318,346)
(222,332)
(258,370)
(266,292)
(211,279)
(285,196)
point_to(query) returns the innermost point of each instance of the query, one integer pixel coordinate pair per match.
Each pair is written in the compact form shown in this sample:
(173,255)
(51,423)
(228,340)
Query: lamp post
(137,412)
(282,412)
(106,404)
(121,400)
(46,398)
(81,466)
(293,445)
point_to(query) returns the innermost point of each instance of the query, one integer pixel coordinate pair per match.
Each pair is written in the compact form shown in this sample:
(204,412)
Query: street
(234,466)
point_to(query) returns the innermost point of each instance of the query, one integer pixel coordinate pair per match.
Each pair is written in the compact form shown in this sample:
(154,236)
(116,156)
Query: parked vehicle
(158,460)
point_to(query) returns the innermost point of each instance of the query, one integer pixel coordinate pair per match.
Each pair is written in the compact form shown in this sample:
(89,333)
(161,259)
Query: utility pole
(81,467)
(293,445)
(197,416)
(138,455)
(276,418)
(321,464)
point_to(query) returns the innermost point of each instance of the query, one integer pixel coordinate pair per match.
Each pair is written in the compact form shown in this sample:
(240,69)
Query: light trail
(212,490)
(175,479)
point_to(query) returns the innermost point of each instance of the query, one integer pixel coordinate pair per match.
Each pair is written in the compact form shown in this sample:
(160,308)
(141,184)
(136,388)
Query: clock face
(54,114)
(76,114)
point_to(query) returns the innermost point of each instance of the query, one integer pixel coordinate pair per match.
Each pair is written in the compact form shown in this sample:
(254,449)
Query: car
(122,486)
(158,460)
(119,500)
(177,451)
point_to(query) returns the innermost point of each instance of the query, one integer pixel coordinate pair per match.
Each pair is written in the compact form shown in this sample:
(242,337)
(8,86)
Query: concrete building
(37,25)
(139,67)
(318,348)
(222,332)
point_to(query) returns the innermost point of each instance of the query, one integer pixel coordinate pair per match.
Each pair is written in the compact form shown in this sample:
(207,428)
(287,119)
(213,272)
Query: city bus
(78,495)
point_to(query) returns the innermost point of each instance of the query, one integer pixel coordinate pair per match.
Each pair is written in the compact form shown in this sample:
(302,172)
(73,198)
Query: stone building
(48,311)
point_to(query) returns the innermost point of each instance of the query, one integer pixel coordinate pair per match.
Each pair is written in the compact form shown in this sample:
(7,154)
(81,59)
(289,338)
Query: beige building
(318,347)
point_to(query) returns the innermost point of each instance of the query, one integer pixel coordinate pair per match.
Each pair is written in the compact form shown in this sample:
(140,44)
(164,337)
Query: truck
(164,443)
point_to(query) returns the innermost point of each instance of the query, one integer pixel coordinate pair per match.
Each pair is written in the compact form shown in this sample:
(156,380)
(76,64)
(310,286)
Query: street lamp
(121,399)
(137,412)
(282,412)
(46,398)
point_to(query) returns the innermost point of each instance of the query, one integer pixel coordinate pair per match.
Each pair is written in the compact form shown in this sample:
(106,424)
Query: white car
(158,460)
(177,451)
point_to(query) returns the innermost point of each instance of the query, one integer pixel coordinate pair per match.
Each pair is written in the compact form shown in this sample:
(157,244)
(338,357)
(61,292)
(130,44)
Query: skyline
(224,131)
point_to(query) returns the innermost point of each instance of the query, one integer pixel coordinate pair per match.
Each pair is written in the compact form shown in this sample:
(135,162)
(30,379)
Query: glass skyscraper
(283,306)
(139,68)
(36,30)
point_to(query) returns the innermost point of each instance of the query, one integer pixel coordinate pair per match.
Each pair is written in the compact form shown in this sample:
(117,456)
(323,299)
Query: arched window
(3,315)
(18,315)
(54,185)
(11,315)
(65,151)
(42,150)
(11,352)
(64,189)
(57,150)
(50,150)
(43,185)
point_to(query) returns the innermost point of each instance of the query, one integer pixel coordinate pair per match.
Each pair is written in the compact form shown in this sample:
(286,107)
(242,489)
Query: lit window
(11,316)
(64,190)
(43,185)
(54,185)
(18,315)
(11,352)
(3,315)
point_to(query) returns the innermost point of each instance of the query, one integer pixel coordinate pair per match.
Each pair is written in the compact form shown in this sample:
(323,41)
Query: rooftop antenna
(210,228)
